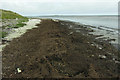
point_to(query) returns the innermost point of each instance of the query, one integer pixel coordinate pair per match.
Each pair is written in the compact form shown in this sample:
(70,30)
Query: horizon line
(75,15)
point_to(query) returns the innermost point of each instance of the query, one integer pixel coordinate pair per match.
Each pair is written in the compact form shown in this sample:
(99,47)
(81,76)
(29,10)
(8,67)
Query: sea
(110,21)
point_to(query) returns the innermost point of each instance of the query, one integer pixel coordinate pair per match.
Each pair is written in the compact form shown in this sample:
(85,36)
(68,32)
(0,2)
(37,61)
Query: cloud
(38,7)
(59,0)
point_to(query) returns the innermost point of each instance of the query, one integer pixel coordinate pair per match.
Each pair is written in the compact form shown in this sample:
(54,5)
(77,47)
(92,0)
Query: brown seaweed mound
(54,50)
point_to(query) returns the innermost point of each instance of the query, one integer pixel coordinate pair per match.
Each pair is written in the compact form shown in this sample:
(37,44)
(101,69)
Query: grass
(20,25)
(10,15)
(5,14)
(9,26)
(3,34)
(23,20)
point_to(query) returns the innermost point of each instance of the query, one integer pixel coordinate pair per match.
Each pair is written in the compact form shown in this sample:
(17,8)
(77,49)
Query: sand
(17,32)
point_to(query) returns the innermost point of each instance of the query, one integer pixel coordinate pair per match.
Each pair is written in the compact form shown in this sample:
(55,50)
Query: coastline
(64,41)
(101,32)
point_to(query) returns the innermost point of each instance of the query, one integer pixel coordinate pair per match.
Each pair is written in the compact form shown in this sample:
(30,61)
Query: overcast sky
(65,7)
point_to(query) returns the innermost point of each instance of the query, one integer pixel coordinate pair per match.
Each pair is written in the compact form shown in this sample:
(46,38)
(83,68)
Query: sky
(61,7)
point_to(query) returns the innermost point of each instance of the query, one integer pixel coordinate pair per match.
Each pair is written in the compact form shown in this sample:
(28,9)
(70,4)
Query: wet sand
(56,50)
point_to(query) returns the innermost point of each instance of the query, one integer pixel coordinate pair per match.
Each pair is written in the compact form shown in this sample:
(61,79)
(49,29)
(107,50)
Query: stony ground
(56,50)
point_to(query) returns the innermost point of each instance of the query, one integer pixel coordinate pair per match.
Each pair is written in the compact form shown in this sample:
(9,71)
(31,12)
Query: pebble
(19,71)
(102,56)
(110,53)
(117,62)
(71,33)
(70,26)
(92,44)
(113,59)
(100,48)
(88,42)
(55,20)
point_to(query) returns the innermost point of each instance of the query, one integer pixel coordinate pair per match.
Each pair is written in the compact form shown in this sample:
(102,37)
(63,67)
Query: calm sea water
(107,21)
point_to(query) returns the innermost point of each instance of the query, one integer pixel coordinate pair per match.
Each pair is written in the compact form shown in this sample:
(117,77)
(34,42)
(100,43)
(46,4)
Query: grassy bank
(10,15)
(11,20)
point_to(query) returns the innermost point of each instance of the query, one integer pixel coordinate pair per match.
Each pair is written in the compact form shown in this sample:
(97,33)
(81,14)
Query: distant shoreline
(74,15)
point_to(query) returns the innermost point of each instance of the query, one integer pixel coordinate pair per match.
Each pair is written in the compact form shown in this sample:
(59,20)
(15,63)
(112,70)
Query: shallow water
(107,21)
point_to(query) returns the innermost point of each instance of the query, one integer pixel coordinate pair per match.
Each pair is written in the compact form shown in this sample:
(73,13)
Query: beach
(60,49)
(17,32)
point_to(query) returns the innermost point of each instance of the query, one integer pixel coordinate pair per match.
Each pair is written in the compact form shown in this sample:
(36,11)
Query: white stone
(92,44)
(117,62)
(55,20)
(102,56)
(71,32)
(70,26)
(19,71)
(100,48)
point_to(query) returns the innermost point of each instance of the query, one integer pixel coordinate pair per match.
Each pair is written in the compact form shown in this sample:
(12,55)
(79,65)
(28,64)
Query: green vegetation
(20,25)
(5,15)
(10,15)
(3,34)
(22,20)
